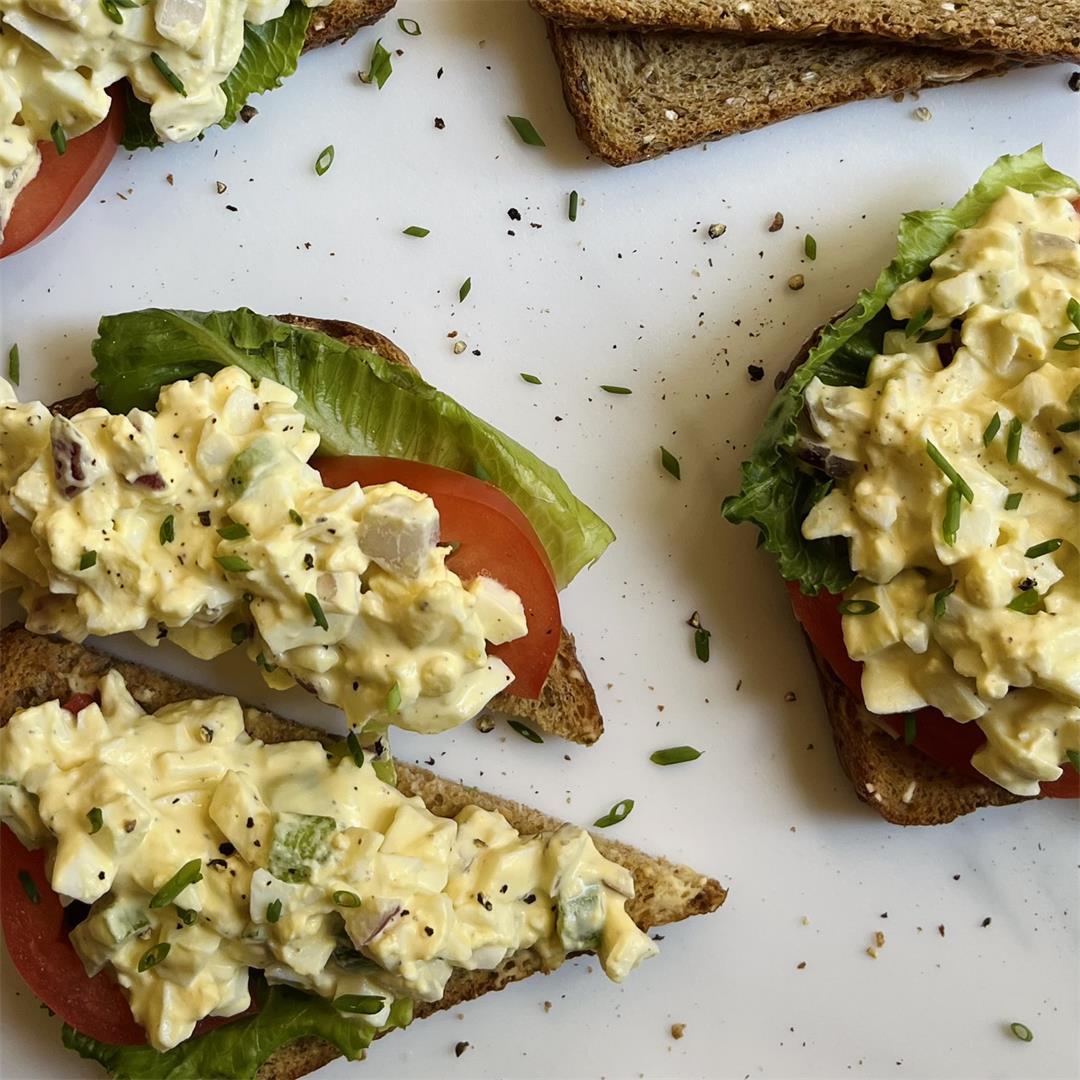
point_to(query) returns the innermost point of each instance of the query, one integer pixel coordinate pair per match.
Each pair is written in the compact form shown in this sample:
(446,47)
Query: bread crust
(34,669)
(341,19)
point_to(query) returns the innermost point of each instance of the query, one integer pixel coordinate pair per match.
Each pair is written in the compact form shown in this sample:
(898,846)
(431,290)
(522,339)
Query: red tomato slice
(496,539)
(941,739)
(63,182)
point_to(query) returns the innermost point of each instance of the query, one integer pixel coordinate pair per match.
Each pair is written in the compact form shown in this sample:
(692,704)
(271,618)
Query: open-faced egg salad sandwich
(918,480)
(173,859)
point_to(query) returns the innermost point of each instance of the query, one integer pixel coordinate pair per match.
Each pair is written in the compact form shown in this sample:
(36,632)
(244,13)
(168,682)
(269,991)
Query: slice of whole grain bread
(34,669)
(1024,29)
(636,96)
(567,704)
(341,19)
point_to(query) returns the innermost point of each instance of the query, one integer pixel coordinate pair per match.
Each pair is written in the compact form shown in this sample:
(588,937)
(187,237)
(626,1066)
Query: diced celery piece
(298,841)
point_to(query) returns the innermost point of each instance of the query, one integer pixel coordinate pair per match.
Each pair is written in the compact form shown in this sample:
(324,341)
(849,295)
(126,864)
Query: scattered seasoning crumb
(796,282)
(871,952)
(790,696)
(485,722)
(221,188)
(547,1006)
(513,214)
(756,372)
(1074,82)
(806,920)
(922,113)
(879,938)
(801,965)
(678,1031)
(941,929)
(169,179)
(777,222)
(440,123)
(229,206)
(884,915)
(985,923)
(248,113)
(460,1049)
(459,347)
(716,231)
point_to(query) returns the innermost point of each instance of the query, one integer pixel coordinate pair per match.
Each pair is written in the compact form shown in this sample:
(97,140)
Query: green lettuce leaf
(358,402)
(777,489)
(270,54)
(235,1051)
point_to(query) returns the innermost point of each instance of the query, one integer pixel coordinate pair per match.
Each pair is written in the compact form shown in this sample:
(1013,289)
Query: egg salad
(204,852)
(203,523)
(958,487)
(58,57)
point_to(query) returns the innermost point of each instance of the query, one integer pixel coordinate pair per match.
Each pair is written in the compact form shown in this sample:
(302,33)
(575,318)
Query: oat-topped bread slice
(341,19)
(636,96)
(1025,29)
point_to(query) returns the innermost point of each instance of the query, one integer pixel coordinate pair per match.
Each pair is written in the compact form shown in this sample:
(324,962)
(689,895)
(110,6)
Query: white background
(635,294)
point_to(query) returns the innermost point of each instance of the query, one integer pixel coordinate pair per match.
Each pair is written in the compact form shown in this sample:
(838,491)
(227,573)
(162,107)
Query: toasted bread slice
(1024,29)
(341,19)
(635,96)
(34,669)
(567,704)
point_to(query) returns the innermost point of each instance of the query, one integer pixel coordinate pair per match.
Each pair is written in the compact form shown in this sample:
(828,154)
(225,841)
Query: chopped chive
(167,532)
(393,699)
(525,377)
(264,663)
(911,728)
(1022,1032)
(187,916)
(59,138)
(810,247)
(933,335)
(240,633)
(525,129)
(1012,500)
(417,231)
(112,11)
(1068,342)
(1047,546)
(363,1004)
(13,364)
(167,74)
(701,644)
(153,956)
(31,890)
(466,288)
(273,911)
(940,598)
(571,209)
(1067,428)
(295,518)
(619,812)
(1012,442)
(615,389)
(381,67)
(316,609)
(409,26)
(324,160)
(1074,758)
(356,751)
(857,607)
(525,731)
(1072,311)
(232,564)
(233,532)
(950,525)
(939,459)
(674,755)
(917,322)
(992,429)
(188,874)
(1026,603)
(344,898)
(87,560)
(670,462)
(93,815)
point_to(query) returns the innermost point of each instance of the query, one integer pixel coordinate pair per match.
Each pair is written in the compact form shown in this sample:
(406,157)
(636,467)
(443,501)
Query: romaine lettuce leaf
(777,490)
(235,1051)
(270,54)
(357,401)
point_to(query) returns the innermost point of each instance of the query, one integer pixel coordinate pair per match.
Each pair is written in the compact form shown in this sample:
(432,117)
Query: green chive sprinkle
(264,663)
(13,364)
(525,377)
(525,129)
(232,564)
(409,26)
(1012,500)
(701,644)
(940,598)
(344,898)
(911,728)
(393,699)
(1069,426)
(187,916)
(381,67)
(991,429)
(1012,443)
(619,812)
(525,731)
(1026,603)
(187,875)
(417,231)
(295,518)
(466,288)
(1072,311)
(273,911)
(1022,1032)
(87,560)
(324,160)
(939,459)
(674,755)
(59,138)
(670,462)
(317,612)
(950,526)
(1074,758)
(168,74)
(93,815)
(364,1004)
(167,532)
(810,247)
(615,389)
(153,957)
(571,209)
(917,322)
(933,335)
(240,633)
(1044,548)
(857,607)
(1068,342)
(233,532)
(112,11)
(31,890)
(356,751)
